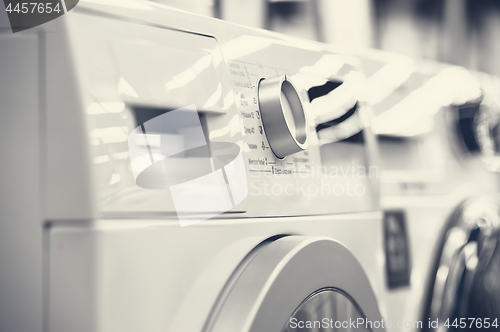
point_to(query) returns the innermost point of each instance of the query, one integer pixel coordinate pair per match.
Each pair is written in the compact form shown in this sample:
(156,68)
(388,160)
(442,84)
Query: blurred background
(461,32)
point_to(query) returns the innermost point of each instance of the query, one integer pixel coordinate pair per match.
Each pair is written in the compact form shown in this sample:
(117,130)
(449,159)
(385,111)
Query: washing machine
(435,125)
(464,288)
(164,171)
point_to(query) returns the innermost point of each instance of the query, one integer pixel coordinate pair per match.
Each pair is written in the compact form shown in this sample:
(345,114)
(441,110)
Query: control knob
(283,116)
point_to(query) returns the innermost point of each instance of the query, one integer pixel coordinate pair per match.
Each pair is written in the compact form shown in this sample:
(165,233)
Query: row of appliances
(436,128)
(179,173)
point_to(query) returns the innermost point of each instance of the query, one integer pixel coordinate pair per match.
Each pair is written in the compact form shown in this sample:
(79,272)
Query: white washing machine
(163,171)
(435,125)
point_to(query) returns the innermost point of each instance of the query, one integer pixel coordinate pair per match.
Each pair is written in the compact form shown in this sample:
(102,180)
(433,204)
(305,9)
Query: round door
(465,289)
(297,283)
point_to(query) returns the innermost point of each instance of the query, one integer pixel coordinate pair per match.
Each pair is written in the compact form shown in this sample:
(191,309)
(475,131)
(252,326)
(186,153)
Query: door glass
(327,310)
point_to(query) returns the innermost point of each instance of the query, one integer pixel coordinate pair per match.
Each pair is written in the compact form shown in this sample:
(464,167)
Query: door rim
(259,299)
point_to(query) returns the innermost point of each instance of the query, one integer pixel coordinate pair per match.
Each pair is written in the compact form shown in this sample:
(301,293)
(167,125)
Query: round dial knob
(283,116)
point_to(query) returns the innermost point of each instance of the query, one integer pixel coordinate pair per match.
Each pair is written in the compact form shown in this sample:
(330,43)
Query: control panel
(208,120)
(275,127)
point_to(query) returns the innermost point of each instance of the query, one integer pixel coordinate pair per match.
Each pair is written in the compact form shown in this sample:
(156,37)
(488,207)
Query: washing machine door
(465,289)
(297,283)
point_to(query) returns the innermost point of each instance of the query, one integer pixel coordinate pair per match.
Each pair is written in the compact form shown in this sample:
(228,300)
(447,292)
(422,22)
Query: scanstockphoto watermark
(311,181)
(354,324)
(162,150)
(367,324)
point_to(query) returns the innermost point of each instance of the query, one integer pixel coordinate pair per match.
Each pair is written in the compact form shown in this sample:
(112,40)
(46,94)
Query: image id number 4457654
(33,7)
(468,323)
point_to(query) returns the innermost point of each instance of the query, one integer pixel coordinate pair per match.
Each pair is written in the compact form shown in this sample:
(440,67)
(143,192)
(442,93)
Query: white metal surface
(154,275)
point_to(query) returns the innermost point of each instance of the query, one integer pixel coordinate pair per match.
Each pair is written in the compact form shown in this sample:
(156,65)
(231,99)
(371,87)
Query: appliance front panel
(128,86)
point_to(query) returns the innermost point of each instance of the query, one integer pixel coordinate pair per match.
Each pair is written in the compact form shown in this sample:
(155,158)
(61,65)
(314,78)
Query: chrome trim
(472,227)
(330,303)
(287,134)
